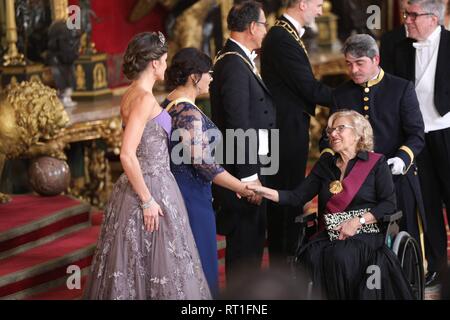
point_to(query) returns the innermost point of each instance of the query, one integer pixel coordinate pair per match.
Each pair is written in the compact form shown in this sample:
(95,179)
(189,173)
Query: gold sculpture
(59,9)
(327,25)
(31,115)
(188,26)
(12,56)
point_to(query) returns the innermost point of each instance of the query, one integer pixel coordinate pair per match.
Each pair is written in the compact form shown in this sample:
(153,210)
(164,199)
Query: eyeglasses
(338,129)
(414,15)
(265,24)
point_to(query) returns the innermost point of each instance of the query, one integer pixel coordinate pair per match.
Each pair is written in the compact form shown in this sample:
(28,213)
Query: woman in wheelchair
(347,258)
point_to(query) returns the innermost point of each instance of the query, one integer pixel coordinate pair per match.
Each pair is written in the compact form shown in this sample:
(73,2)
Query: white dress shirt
(250,54)
(297,25)
(426,65)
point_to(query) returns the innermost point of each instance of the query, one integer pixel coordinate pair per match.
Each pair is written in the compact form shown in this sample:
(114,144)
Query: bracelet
(147,204)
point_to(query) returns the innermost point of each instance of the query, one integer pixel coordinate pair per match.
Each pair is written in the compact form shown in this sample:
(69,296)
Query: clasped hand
(249,194)
(348,228)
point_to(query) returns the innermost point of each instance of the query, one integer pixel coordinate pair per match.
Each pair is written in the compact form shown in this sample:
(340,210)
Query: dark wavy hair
(186,62)
(242,14)
(142,49)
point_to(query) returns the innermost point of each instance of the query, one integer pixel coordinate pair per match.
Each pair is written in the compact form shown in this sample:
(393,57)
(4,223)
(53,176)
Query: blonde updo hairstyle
(363,129)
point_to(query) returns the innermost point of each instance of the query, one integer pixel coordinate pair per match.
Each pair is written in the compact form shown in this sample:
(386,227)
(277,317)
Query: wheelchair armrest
(305,218)
(393,217)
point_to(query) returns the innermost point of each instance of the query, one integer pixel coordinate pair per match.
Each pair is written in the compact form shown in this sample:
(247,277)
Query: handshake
(254,192)
(247,191)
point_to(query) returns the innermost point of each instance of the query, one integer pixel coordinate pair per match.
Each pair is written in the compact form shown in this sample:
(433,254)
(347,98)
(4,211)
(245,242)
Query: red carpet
(40,237)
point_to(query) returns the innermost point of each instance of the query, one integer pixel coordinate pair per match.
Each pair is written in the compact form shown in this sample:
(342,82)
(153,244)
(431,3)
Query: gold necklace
(286,26)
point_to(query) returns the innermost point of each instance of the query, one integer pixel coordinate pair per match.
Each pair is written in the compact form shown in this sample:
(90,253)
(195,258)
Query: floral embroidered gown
(132,263)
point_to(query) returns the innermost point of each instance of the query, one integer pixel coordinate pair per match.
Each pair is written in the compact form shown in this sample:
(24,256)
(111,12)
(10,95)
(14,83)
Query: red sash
(352,183)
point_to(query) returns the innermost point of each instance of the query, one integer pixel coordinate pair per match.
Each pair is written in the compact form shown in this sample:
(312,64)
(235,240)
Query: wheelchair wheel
(408,253)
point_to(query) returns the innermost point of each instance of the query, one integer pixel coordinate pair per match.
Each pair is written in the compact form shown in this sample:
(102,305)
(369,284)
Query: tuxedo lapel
(443,55)
(230,46)
(283,18)
(406,60)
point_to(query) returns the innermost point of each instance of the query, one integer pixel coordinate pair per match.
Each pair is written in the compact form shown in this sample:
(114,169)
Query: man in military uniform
(390,104)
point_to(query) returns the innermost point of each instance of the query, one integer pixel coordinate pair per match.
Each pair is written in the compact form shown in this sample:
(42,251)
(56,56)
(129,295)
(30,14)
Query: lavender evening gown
(131,263)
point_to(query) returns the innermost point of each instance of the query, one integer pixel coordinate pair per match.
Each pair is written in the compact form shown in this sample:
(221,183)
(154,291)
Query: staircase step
(61,293)
(47,262)
(30,220)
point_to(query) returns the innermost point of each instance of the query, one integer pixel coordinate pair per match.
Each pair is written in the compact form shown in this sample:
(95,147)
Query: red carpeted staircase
(40,237)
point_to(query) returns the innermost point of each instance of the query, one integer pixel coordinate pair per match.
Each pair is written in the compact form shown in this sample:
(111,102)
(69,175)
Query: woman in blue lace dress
(195,167)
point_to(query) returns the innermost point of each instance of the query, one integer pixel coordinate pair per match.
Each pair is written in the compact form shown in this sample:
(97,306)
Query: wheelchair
(401,243)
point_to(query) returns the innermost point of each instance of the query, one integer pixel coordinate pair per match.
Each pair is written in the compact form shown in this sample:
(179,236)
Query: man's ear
(251,27)
(376,59)
(302,4)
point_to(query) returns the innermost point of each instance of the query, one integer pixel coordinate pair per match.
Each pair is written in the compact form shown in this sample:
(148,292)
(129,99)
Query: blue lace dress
(194,180)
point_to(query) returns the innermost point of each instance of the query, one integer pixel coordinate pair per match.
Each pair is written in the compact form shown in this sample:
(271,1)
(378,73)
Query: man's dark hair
(242,15)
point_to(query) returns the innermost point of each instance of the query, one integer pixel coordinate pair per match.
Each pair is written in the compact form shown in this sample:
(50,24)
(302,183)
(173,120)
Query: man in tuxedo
(288,74)
(391,106)
(241,101)
(424,59)
(390,39)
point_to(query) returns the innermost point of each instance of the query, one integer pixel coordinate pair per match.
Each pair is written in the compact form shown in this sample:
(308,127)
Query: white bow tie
(422,44)
(253,56)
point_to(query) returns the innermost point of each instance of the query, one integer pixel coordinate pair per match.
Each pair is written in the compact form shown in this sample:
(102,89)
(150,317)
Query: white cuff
(251,178)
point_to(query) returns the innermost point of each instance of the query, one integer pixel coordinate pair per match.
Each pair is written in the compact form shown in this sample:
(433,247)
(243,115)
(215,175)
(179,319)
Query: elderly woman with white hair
(356,190)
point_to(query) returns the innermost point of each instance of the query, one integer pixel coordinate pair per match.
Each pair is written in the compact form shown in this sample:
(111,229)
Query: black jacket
(389,41)
(393,111)
(404,64)
(288,74)
(240,100)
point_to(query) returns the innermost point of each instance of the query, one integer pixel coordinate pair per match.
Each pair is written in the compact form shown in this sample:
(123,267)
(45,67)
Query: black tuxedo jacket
(240,100)
(288,74)
(388,44)
(404,62)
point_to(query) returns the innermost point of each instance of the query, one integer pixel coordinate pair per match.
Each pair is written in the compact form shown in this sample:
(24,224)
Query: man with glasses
(288,74)
(390,104)
(424,59)
(241,101)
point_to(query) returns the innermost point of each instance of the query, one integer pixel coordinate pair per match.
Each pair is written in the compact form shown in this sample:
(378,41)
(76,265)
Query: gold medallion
(336,187)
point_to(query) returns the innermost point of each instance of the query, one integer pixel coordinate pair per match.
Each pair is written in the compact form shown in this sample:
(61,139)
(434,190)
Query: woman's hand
(265,192)
(151,217)
(348,228)
(243,192)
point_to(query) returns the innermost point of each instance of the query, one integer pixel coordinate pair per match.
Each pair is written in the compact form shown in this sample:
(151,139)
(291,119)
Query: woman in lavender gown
(146,249)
